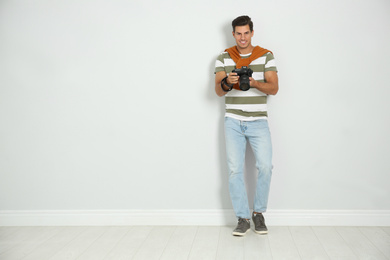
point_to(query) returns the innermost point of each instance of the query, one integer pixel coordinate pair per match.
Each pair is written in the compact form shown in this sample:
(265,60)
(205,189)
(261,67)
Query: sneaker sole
(261,232)
(241,234)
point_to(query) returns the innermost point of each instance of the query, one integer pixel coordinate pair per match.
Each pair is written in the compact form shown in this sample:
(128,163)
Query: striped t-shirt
(252,104)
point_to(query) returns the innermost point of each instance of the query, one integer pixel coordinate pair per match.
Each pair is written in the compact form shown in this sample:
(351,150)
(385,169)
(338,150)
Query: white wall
(110,104)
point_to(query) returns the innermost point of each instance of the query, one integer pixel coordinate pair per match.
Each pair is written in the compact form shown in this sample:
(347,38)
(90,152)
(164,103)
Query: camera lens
(244,83)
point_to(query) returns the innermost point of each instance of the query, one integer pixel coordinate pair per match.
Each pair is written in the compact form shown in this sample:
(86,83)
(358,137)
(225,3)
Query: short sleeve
(219,64)
(270,64)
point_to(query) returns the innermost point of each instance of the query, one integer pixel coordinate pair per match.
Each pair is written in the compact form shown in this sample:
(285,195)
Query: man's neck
(246,50)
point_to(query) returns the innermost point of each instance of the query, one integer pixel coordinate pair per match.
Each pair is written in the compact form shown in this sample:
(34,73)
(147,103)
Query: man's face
(243,36)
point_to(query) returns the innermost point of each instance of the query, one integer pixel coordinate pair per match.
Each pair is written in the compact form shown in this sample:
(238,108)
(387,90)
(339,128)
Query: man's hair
(241,21)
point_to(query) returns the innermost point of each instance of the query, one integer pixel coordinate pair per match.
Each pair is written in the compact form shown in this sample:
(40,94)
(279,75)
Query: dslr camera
(244,73)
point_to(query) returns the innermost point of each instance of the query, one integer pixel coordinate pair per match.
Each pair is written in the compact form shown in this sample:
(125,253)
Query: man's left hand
(252,82)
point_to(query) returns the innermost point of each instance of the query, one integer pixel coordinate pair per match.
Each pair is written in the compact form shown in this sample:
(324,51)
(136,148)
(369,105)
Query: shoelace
(259,220)
(242,221)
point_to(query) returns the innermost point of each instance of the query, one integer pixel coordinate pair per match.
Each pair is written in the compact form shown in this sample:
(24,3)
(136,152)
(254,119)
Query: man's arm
(271,84)
(219,76)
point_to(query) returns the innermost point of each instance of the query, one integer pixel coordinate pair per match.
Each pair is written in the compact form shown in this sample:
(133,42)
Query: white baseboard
(190,217)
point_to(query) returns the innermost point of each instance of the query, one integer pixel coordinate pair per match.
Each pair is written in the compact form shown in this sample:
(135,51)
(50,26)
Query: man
(246,120)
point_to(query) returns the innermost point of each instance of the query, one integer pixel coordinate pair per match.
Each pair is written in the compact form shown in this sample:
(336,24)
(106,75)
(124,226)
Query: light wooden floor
(192,242)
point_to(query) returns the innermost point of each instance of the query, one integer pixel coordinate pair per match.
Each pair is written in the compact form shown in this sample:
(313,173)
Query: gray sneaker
(242,228)
(260,227)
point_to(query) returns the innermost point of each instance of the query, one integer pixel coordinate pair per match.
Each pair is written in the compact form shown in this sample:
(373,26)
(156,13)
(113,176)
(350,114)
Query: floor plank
(104,244)
(179,245)
(205,244)
(230,247)
(20,235)
(79,244)
(379,238)
(282,243)
(386,229)
(334,245)
(127,247)
(7,231)
(35,238)
(55,243)
(360,244)
(155,243)
(307,243)
(256,246)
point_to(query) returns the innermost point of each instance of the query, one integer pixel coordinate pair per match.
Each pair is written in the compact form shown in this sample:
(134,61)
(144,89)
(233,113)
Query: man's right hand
(232,78)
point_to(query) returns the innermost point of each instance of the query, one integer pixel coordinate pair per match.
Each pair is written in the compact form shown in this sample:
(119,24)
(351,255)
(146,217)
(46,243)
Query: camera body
(244,73)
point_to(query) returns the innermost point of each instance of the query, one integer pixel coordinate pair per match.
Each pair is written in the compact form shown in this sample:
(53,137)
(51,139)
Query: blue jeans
(237,133)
